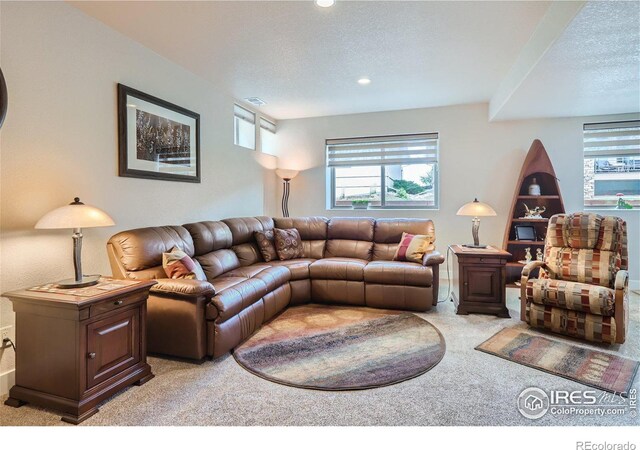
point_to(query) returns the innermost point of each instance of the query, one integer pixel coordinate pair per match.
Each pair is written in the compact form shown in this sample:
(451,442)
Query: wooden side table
(76,348)
(478,282)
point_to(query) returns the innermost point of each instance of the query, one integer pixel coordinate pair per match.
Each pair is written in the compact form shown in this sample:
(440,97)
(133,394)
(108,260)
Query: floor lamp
(287,176)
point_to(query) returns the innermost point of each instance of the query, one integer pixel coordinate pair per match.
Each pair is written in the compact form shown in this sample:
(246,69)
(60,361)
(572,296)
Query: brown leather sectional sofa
(347,261)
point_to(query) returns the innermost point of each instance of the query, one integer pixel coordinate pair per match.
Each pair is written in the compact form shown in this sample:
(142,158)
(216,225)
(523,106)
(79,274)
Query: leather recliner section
(347,261)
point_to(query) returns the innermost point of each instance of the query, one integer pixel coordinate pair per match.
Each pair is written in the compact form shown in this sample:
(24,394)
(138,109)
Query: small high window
(244,127)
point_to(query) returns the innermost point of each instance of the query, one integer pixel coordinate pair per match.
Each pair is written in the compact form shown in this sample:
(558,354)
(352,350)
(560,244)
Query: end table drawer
(114,304)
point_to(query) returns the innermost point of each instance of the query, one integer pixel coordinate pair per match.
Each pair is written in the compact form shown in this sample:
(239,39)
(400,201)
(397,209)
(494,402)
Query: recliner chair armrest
(432,258)
(526,270)
(622,280)
(184,287)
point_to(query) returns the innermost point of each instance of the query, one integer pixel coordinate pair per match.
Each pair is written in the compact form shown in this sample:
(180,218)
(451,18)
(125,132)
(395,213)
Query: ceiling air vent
(256,101)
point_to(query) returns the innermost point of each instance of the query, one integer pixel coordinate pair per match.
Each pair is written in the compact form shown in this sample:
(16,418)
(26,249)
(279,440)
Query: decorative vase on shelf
(534,188)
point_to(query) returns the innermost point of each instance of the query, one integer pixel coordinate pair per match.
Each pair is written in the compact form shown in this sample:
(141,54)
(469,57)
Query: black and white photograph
(158,140)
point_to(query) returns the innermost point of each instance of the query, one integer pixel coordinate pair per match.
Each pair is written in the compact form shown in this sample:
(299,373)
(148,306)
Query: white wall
(59,140)
(477,159)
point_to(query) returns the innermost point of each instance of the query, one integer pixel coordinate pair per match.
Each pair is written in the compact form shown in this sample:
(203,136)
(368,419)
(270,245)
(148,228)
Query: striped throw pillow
(177,264)
(412,247)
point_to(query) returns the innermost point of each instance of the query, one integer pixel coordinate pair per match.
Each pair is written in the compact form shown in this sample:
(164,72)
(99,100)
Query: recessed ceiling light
(364,81)
(325,3)
(256,101)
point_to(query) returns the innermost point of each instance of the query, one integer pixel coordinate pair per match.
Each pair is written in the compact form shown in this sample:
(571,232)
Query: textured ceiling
(304,60)
(592,69)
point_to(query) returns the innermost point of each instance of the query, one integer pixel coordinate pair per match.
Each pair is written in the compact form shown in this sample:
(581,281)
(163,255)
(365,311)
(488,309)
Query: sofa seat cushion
(222,283)
(591,327)
(351,269)
(571,295)
(398,273)
(233,294)
(299,268)
(246,271)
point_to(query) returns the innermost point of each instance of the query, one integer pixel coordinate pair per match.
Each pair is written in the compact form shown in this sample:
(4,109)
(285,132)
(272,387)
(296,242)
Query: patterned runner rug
(593,368)
(342,348)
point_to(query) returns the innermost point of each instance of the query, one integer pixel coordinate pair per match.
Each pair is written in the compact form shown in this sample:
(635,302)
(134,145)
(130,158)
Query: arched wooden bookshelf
(536,165)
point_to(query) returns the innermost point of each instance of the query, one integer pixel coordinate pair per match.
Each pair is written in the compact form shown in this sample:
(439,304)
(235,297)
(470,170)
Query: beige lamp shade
(476,209)
(286,174)
(75,215)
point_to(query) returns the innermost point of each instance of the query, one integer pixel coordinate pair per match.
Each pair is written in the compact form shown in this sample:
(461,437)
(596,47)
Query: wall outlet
(4,333)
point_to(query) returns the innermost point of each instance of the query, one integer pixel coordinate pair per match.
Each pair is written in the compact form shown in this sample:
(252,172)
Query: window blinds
(244,114)
(267,125)
(612,140)
(383,150)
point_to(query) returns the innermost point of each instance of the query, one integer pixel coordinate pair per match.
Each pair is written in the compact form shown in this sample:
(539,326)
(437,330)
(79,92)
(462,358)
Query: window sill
(398,208)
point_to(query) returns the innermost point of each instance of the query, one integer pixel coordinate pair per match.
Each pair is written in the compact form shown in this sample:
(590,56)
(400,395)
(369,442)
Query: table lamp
(475,209)
(286,175)
(76,215)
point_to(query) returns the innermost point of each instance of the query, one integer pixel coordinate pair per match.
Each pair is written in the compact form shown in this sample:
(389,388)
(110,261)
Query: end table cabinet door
(482,284)
(113,344)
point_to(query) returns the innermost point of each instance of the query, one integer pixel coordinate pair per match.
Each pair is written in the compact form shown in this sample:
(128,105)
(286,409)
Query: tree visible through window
(386,172)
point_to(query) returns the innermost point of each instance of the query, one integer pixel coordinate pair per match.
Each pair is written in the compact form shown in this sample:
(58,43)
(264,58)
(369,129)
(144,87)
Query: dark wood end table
(478,283)
(76,348)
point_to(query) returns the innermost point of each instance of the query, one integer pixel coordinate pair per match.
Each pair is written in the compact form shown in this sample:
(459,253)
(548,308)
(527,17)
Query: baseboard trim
(7,380)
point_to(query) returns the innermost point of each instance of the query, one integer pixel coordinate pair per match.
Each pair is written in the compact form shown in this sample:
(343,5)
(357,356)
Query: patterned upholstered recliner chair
(582,289)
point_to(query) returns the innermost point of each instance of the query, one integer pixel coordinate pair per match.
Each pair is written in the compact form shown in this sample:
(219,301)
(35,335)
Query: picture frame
(525,233)
(156,139)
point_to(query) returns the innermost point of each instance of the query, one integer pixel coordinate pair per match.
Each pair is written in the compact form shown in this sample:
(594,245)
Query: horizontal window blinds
(244,114)
(267,125)
(612,140)
(383,150)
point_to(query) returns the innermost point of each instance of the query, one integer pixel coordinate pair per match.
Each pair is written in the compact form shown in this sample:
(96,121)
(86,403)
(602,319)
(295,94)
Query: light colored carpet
(468,387)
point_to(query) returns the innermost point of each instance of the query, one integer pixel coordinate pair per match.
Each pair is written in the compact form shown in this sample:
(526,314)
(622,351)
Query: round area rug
(342,348)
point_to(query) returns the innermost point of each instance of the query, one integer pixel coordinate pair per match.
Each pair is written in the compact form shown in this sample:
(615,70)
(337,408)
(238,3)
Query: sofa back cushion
(217,262)
(313,232)
(142,248)
(243,241)
(388,232)
(350,237)
(209,236)
(585,248)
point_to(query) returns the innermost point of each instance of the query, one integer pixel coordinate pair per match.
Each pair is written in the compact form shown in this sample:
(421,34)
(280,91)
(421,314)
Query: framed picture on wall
(157,139)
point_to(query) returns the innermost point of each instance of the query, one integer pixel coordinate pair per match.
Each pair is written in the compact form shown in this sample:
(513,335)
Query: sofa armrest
(524,278)
(184,287)
(432,258)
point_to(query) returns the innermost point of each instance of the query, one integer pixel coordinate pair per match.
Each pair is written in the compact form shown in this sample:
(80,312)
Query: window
(244,127)
(267,136)
(611,163)
(386,171)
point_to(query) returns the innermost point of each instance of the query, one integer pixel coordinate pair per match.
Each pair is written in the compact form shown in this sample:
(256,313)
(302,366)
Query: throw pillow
(265,244)
(177,264)
(288,244)
(412,247)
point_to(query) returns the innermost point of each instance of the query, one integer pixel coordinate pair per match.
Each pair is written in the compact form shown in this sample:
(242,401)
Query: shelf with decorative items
(537,197)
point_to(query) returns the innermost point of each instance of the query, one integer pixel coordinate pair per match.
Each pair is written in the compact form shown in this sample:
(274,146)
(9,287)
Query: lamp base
(71,283)
(474,245)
